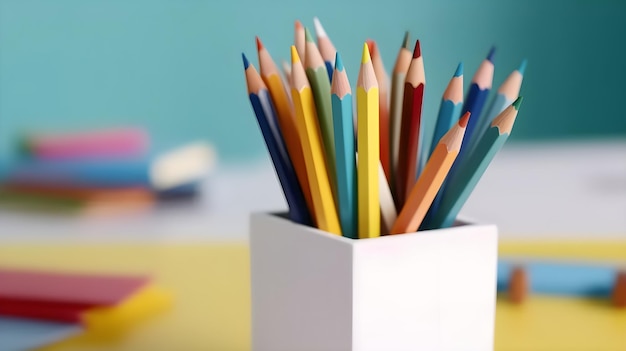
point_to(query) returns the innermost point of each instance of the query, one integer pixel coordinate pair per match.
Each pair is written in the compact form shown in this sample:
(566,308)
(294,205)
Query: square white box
(315,291)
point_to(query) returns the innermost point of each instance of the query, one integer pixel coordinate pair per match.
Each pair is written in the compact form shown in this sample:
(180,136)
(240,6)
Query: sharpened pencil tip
(370,45)
(246,63)
(406,40)
(365,58)
(522,67)
(518,102)
(259,44)
(307,35)
(298,25)
(459,70)
(491,54)
(338,62)
(294,55)
(464,119)
(417,51)
(319,29)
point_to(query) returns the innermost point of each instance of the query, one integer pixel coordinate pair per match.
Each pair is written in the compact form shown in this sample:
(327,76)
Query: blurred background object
(101,172)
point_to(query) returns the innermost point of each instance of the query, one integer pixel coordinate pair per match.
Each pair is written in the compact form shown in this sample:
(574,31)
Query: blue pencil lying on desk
(561,278)
(160,172)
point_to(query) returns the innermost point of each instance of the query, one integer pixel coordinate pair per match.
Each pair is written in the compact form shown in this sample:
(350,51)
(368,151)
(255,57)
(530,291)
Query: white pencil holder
(312,290)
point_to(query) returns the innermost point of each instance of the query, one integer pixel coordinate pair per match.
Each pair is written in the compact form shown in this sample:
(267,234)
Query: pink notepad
(61,296)
(121,142)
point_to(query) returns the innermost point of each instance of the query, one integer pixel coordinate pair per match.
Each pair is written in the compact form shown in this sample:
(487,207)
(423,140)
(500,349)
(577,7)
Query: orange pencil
(410,126)
(286,121)
(428,184)
(383,106)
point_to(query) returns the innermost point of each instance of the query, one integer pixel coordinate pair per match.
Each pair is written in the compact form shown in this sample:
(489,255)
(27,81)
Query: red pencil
(410,126)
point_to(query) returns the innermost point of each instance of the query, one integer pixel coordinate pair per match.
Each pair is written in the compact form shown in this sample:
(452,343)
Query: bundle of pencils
(384,168)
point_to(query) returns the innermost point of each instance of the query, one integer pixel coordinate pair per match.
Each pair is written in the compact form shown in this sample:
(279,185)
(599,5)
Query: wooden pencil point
(518,285)
(619,290)
(406,40)
(259,44)
(308,36)
(246,63)
(365,58)
(491,54)
(298,25)
(459,70)
(522,66)
(417,51)
(294,55)
(518,102)
(464,119)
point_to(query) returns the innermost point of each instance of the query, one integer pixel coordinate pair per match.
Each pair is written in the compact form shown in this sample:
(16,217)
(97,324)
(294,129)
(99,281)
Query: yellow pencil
(425,189)
(306,122)
(368,146)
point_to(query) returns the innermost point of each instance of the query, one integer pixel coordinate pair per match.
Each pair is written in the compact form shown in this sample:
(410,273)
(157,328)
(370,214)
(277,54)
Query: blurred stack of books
(38,307)
(102,172)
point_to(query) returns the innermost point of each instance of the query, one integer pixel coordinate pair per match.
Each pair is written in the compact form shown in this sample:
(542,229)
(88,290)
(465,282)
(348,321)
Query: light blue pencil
(507,93)
(461,184)
(345,150)
(450,109)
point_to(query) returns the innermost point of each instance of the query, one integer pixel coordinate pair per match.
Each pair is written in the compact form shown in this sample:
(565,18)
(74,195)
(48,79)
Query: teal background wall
(175,67)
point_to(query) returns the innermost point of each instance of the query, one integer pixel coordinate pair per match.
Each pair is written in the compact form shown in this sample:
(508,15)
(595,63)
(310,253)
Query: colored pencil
(326,47)
(460,184)
(428,184)
(306,121)
(286,122)
(300,40)
(264,109)
(367,145)
(383,106)
(403,61)
(450,107)
(410,127)
(388,212)
(320,85)
(507,93)
(476,97)
(344,145)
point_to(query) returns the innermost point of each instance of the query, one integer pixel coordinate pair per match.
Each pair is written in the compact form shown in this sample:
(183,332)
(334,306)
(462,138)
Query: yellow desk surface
(209,283)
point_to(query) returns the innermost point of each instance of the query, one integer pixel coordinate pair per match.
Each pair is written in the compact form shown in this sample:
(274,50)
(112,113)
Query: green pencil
(320,85)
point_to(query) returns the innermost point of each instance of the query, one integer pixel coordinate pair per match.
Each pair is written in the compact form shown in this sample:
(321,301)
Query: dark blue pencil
(476,98)
(265,112)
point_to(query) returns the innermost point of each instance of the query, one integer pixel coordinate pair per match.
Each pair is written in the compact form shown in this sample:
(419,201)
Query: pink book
(119,142)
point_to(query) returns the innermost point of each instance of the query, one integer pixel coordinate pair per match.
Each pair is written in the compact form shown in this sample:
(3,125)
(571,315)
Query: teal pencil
(320,85)
(507,93)
(450,108)
(462,183)
(344,145)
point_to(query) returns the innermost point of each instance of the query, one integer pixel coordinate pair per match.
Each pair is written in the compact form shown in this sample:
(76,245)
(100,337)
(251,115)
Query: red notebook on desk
(61,296)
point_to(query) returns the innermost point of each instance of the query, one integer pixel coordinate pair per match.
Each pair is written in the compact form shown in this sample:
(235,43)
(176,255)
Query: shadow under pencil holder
(312,290)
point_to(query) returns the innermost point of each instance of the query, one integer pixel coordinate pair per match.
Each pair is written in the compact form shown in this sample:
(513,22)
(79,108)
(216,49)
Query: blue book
(161,172)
